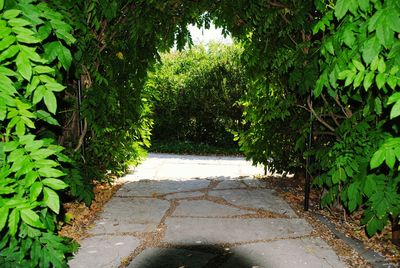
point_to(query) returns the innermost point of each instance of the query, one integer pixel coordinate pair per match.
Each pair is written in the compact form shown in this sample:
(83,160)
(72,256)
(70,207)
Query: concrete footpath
(191,211)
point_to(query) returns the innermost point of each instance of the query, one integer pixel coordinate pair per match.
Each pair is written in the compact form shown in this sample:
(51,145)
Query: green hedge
(197,93)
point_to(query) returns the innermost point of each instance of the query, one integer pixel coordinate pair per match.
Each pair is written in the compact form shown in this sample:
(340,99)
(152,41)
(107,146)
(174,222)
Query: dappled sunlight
(189,167)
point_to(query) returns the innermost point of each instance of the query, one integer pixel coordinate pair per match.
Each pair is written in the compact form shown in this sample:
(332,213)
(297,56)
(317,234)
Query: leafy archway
(341,50)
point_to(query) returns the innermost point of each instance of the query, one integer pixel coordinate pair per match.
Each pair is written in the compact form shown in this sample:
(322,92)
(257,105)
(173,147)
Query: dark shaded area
(192,256)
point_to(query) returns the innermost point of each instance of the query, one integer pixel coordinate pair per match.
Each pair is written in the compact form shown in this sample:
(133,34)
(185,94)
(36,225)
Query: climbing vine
(360,67)
(345,52)
(33,55)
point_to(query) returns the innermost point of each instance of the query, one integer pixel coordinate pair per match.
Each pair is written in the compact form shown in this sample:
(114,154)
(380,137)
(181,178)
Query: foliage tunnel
(347,53)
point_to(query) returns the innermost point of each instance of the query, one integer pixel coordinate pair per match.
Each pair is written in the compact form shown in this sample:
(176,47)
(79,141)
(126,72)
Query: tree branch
(82,137)
(347,112)
(323,122)
(276,4)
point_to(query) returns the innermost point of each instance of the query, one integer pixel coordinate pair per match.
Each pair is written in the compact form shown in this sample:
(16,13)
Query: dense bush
(360,78)
(34,55)
(197,95)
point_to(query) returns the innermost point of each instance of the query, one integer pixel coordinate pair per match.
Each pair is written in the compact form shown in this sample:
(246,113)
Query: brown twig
(347,112)
(324,133)
(82,136)
(323,122)
(331,114)
(276,4)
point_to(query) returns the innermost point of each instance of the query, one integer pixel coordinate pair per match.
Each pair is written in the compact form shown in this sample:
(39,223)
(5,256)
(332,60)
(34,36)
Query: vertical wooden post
(396,231)
(80,119)
(308,162)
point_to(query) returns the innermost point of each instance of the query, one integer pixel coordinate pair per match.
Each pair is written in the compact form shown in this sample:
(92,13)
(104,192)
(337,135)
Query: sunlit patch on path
(189,211)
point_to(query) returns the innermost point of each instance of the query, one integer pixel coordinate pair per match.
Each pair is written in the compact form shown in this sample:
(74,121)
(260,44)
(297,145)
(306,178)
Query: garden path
(192,211)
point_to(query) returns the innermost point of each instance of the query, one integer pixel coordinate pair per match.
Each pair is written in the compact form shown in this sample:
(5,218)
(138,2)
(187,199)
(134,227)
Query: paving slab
(170,258)
(305,252)
(255,183)
(230,184)
(122,215)
(257,199)
(104,251)
(205,208)
(199,230)
(184,195)
(189,231)
(150,188)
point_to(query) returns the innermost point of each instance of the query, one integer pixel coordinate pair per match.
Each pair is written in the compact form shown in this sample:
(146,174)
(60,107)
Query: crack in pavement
(154,239)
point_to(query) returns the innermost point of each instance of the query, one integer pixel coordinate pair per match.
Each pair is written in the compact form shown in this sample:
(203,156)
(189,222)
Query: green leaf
(395,112)
(1,4)
(55,87)
(55,184)
(51,199)
(350,78)
(51,172)
(390,158)
(11,13)
(395,69)
(364,4)
(392,81)
(7,42)
(30,178)
(10,146)
(3,217)
(394,98)
(46,117)
(65,57)
(15,155)
(66,36)
(9,53)
(380,80)
(35,190)
(397,152)
(370,185)
(50,101)
(13,220)
(38,94)
(373,226)
(381,66)
(18,22)
(44,31)
(393,19)
(348,37)
(378,106)
(358,79)
(51,51)
(385,34)
(41,69)
(42,154)
(353,196)
(7,72)
(377,159)
(7,87)
(24,66)
(341,8)
(338,175)
(31,218)
(358,65)
(368,80)
(371,50)
(32,54)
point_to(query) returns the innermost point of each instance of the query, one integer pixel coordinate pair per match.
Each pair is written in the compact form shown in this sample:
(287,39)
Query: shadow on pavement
(192,256)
